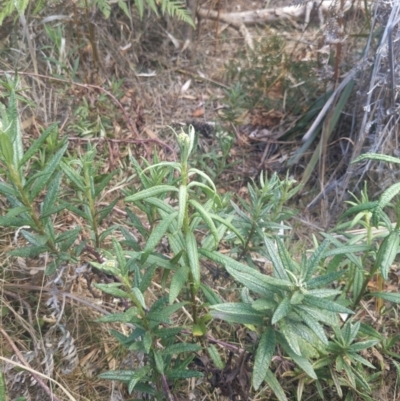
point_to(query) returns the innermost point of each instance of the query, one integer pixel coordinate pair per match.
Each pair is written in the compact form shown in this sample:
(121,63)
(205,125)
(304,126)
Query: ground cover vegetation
(143,258)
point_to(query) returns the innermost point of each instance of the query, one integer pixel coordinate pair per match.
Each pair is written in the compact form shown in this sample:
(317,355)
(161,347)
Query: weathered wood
(268,15)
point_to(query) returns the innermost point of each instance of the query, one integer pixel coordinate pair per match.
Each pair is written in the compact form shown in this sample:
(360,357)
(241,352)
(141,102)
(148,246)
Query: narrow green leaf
(388,195)
(275,386)
(178,281)
(314,260)
(112,289)
(264,354)
(179,348)
(300,389)
(135,221)
(183,374)
(139,296)
(153,191)
(158,233)
(357,347)
(207,219)
(6,149)
(369,331)
(51,194)
(387,253)
(324,280)
(55,209)
(358,282)
(346,249)
(254,280)
(119,254)
(7,189)
(45,175)
(301,361)
(216,358)
(263,304)
(237,313)
(9,221)
(35,146)
(160,204)
(279,269)
(193,256)
(120,375)
(367,206)
(282,310)
(182,202)
(313,325)
(205,176)
(324,293)
(290,336)
(34,239)
(336,382)
(103,213)
(284,255)
(147,277)
(377,157)
(387,296)
(29,251)
(228,224)
(159,362)
(211,296)
(67,238)
(326,304)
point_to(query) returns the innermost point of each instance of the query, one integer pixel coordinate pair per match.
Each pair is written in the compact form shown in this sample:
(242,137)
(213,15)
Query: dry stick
(90,86)
(26,365)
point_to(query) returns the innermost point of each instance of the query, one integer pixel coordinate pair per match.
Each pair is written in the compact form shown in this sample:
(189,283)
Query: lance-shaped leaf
(265,351)
(183,198)
(237,313)
(251,278)
(279,269)
(207,219)
(387,253)
(387,296)
(45,175)
(178,281)
(193,256)
(153,191)
(275,386)
(326,304)
(314,260)
(282,310)
(158,233)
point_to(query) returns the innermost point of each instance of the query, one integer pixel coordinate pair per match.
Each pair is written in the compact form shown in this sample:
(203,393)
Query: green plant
(155,333)
(166,356)
(87,185)
(290,310)
(345,362)
(215,160)
(264,213)
(179,225)
(30,210)
(33,189)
